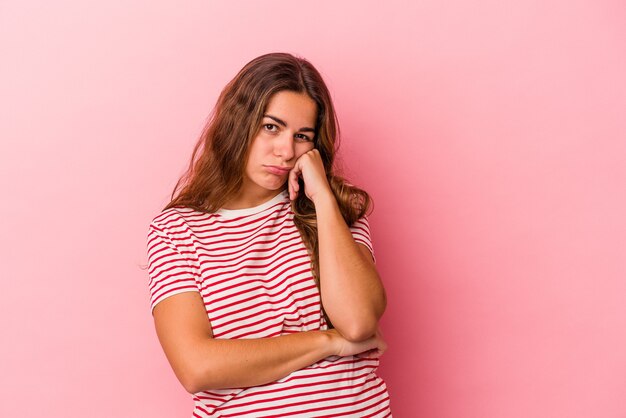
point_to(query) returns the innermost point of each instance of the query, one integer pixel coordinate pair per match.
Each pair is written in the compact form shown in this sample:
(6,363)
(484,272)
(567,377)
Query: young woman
(263,285)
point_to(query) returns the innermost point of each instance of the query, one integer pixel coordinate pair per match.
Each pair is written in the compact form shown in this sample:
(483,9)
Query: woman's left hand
(310,166)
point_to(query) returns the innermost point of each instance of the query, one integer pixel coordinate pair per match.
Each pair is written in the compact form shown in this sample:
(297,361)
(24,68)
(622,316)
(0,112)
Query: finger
(364,354)
(370,354)
(291,186)
(292,178)
(296,174)
(296,186)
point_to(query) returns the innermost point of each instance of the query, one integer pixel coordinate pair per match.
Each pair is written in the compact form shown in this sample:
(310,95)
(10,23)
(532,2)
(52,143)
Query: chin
(273,188)
(269,185)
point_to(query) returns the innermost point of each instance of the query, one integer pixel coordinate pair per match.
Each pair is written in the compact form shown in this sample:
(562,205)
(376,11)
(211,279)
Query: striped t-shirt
(253,272)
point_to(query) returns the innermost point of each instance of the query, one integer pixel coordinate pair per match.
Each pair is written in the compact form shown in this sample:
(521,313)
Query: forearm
(352,293)
(233,363)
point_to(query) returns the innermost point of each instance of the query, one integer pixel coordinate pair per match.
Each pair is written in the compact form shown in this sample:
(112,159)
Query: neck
(250,200)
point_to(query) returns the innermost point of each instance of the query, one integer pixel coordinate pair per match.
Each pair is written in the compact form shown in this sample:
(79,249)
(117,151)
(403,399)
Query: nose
(284,146)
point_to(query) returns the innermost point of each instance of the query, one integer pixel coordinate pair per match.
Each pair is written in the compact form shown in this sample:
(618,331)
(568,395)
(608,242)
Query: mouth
(277,170)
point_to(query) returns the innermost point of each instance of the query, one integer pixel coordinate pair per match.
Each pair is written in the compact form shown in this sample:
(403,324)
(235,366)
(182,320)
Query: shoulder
(175,218)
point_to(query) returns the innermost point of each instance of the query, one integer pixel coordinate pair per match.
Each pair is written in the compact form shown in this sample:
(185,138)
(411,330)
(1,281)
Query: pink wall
(491,134)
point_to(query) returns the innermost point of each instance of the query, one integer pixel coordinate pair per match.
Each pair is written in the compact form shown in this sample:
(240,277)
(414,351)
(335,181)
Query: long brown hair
(219,158)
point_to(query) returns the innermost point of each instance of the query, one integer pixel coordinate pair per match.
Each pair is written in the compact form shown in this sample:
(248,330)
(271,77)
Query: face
(286,132)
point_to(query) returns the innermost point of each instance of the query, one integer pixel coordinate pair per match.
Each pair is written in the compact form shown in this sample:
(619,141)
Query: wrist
(331,342)
(324,198)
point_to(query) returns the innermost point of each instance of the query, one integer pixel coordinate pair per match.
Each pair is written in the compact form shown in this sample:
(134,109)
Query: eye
(303,137)
(270,124)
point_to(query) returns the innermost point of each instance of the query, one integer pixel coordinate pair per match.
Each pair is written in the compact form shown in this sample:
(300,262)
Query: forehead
(294,107)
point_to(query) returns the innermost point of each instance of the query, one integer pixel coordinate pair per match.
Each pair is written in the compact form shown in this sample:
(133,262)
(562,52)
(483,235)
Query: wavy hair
(216,170)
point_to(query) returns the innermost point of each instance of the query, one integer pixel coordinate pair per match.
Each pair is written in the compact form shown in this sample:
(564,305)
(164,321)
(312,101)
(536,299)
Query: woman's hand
(310,166)
(373,347)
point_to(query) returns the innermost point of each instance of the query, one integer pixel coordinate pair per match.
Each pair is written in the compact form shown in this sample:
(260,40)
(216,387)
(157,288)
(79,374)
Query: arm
(352,294)
(201,362)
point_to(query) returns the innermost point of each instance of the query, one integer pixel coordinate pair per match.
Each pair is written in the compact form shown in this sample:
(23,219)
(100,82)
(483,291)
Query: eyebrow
(305,129)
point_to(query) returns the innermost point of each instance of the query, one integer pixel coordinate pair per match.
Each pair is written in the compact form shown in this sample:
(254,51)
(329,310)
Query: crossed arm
(351,290)
(352,295)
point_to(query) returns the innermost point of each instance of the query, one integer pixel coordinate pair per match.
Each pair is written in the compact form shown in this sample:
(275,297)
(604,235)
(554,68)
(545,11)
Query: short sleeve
(362,235)
(169,271)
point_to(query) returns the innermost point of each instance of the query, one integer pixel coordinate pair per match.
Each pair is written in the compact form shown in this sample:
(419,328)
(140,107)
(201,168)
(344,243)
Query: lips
(277,170)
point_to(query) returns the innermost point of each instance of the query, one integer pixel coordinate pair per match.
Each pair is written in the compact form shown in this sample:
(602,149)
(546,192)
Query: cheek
(262,149)
(257,152)
(303,149)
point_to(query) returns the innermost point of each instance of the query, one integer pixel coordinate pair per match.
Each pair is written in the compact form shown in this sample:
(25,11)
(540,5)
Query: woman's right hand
(374,346)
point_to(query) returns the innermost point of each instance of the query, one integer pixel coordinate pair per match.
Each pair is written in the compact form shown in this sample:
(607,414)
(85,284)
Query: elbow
(190,383)
(365,328)
(191,388)
(200,376)
(198,372)
(194,379)
(362,331)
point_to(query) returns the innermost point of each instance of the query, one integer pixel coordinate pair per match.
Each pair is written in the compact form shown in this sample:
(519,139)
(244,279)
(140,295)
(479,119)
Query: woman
(260,234)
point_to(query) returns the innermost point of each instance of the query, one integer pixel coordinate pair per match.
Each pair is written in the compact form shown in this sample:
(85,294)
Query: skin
(351,290)
(352,294)
(277,145)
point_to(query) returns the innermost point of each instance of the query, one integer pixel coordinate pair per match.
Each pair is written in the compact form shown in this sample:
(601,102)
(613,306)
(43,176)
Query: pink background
(491,134)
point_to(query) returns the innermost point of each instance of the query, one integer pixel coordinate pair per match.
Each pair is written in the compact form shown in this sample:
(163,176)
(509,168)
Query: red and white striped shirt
(254,275)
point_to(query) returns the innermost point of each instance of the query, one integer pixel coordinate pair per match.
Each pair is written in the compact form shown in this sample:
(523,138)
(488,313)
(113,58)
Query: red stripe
(159,296)
(199,408)
(240,301)
(287,397)
(368,407)
(175,264)
(281,261)
(186,279)
(223,221)
(254,314)
(263,319)
(245,308)
(291,242)
(220,257)
(306,278)
(385,408)
(248,245)
(322,408)
(252,332)
(311,384)
(262,285)
(250,234)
